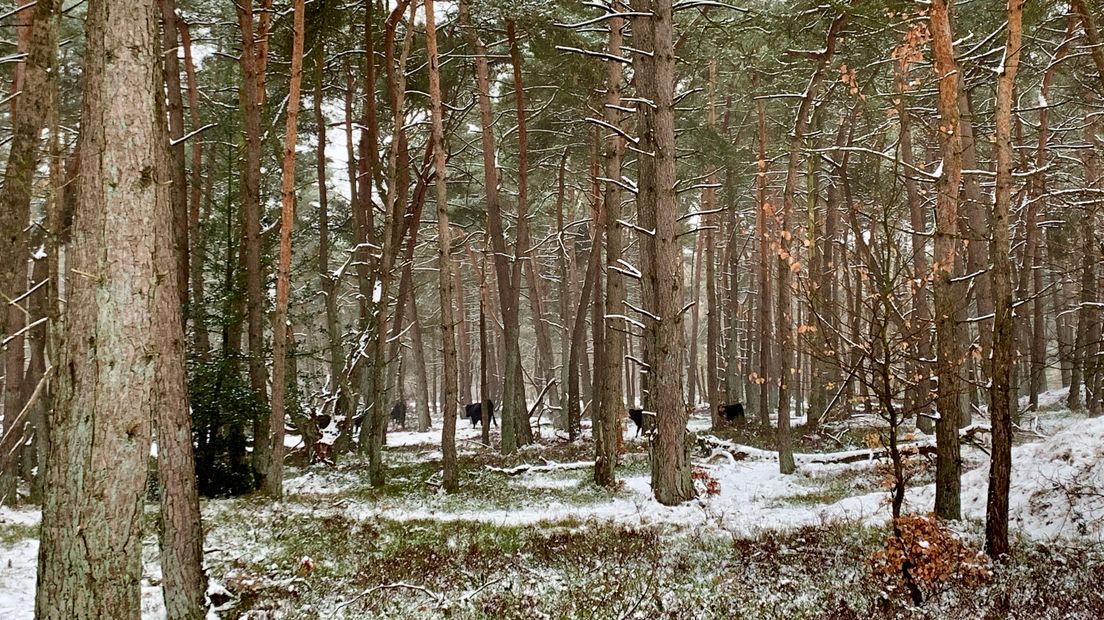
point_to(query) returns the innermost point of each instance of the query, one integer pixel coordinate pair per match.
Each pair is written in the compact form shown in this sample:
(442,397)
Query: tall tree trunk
(713,309)
(327,281)
(763,212)
(448,326)
(512,410)
(1000,394)
(273,482)
(175,99)
(89,563)
(560,420)
(253,56)
(522,255)
(196,256)
(422,395)
(463,339)
(183,580)
(695,322)
(1086,347)
(611,404)
(34,101)
(662,265)
(787,263)
(948,462)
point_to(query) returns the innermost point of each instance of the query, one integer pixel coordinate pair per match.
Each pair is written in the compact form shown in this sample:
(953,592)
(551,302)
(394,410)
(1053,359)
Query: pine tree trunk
(713,308)
(273,482)
(251,60)
(1000,395)
(175,99)
(662,264)
(448,325)
(763,331)
(947,293)
(695,313)
(611,404)
(28,120)
(90,551)
(196,256)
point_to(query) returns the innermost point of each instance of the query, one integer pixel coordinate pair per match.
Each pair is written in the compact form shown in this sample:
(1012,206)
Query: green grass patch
(11,533)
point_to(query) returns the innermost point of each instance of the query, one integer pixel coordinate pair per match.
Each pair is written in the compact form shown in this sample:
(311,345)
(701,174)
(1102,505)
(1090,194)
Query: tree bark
(91,533)
(1000,372)
(611,404)
(948,460)
(662,264)
(273,482)
(448,326)
(34,101)
(512,411)
(202,345)
(253,56)
(171,67)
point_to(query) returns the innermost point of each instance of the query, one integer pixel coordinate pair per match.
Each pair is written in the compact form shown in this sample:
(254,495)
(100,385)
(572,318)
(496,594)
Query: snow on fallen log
(548,466)
(740,452)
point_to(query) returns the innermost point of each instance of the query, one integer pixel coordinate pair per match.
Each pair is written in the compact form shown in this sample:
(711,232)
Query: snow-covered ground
(1057,493)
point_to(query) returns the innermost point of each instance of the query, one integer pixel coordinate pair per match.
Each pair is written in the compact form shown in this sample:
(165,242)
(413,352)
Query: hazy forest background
(617,308)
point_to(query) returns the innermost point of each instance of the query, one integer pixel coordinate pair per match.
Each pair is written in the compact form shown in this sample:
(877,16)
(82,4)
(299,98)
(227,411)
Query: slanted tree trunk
(448,325)
(578,352)
(1000,370)
(89,563)
(948,348)
(1083,9)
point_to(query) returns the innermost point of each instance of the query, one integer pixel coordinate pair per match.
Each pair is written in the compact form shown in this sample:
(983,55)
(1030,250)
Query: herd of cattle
(731,412)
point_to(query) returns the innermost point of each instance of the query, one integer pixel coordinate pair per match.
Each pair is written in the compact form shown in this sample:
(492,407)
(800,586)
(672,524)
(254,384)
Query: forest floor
(530,536)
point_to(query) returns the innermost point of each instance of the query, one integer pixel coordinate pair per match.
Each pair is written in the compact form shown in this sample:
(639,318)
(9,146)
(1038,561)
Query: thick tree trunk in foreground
(90,553)
(948,348)
(662,265)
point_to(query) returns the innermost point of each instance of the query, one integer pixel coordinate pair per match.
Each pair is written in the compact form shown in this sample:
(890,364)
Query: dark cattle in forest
(731,412)
(474,412)
(398,414)
(637,416)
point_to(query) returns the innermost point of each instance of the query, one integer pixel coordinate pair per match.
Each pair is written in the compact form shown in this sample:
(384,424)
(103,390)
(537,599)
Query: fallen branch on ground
(549,466)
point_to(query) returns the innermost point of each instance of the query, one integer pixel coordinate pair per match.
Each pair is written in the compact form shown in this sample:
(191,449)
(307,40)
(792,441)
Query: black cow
(732,412)
(398,414)
(637,416)
(474,412)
